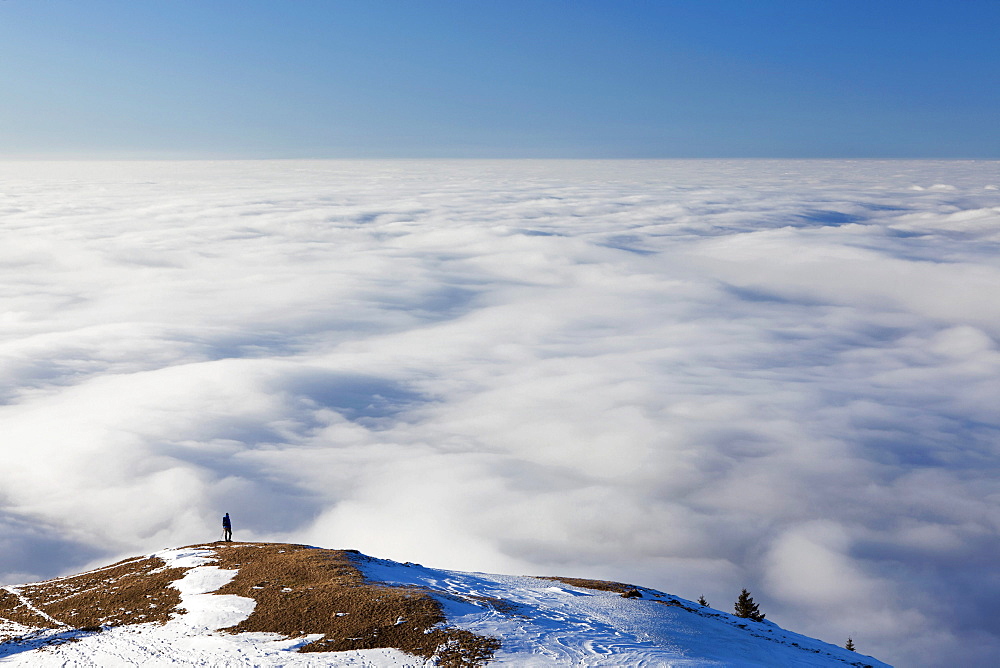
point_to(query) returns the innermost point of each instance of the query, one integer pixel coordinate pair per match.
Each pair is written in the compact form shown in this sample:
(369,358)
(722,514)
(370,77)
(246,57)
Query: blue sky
(578,79)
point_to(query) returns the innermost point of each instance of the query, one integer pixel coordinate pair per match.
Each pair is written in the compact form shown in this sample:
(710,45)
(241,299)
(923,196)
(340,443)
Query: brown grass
(601,585)
(123,593)
(13,610)
(299,591)
(302,590)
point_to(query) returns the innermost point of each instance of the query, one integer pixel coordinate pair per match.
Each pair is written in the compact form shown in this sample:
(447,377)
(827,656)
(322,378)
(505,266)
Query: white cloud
(695,375)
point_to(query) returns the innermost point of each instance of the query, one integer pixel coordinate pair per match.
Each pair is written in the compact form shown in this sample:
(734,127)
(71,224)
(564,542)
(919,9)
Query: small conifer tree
(746,608)
(849,645)
(702,601)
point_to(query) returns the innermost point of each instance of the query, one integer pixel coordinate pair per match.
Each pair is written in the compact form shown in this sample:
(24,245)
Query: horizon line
(164,158)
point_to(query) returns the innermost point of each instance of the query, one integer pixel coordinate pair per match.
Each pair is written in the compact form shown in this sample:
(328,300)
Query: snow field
(555,624)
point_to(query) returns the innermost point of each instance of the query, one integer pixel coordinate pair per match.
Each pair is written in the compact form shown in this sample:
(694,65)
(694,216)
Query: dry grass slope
(602,585)
(129,592)
(302,590)
(299,591)
(13,610)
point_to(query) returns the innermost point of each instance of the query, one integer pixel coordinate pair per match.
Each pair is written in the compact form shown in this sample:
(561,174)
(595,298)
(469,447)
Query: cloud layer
(697,375)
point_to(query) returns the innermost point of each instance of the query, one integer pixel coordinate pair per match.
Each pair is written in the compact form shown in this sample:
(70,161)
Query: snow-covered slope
(288,605)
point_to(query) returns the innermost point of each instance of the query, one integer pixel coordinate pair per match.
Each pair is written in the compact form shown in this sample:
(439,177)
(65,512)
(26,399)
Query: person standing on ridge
(227,528)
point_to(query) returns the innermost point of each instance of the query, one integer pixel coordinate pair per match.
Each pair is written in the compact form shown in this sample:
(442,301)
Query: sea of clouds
(692,375)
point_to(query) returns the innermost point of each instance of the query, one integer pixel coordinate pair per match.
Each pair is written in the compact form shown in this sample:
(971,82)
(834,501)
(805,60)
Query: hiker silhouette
(227,527)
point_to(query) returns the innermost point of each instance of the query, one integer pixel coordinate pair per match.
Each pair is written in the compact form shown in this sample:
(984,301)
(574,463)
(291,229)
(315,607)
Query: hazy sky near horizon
(448,78)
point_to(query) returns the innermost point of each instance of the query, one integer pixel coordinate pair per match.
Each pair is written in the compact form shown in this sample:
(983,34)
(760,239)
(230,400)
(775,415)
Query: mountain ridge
(225,603)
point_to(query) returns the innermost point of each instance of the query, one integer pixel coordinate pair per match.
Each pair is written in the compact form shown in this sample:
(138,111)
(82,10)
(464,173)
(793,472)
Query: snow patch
(202,608)
(154,645)
(207,610)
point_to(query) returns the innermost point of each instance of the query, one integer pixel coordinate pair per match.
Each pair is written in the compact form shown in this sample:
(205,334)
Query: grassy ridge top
(299,591)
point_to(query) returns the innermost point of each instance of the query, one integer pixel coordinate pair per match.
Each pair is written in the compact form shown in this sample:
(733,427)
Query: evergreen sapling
(747,609)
